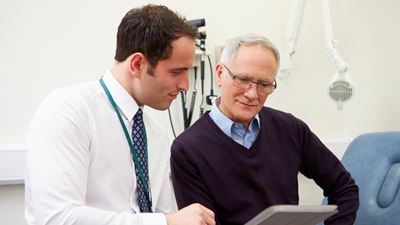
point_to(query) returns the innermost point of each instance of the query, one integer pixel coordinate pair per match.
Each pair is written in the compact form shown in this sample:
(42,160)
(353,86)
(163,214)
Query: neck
(218,104)
(125,79)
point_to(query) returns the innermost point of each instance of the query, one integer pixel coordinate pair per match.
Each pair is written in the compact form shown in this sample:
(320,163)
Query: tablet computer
(293,215)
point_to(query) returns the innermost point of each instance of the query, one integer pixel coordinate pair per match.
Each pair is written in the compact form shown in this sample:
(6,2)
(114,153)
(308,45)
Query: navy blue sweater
(210,168)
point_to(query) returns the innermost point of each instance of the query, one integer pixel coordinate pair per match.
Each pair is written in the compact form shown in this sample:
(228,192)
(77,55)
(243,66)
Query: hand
(194,214)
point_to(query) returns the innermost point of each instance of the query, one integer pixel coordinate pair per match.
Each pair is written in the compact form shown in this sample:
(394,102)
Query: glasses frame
(257,83)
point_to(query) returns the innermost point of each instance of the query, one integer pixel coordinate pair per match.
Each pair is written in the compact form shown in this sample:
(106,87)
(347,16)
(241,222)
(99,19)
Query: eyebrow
(179,69)
(247,76)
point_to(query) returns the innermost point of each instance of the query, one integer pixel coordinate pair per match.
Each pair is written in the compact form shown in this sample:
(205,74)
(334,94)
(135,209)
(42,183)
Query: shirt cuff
(153,218)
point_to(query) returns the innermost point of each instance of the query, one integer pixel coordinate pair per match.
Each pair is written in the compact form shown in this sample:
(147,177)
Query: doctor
(95,156)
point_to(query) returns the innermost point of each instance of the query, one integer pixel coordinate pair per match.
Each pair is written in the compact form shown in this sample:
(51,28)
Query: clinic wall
(48,44)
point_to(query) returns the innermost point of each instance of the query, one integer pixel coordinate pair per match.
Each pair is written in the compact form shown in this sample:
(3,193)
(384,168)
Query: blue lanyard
(128,138)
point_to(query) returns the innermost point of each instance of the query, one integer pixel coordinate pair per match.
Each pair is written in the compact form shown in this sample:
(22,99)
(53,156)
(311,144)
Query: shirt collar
(225,124)
(125,102)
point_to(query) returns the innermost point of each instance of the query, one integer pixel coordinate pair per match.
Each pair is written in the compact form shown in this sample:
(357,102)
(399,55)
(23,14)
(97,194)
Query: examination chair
(373,159)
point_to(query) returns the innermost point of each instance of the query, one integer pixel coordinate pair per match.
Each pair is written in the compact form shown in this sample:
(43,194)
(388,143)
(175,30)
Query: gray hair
(231,49)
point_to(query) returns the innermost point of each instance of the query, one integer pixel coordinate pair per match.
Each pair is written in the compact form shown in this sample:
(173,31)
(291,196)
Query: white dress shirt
(79,165)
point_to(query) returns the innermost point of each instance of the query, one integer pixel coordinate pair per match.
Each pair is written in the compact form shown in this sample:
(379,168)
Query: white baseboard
(12,163)
(337,145)
(12,159)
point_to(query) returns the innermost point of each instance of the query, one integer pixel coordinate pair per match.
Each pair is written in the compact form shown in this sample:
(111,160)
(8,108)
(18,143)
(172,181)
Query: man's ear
(137,64)
(218,72)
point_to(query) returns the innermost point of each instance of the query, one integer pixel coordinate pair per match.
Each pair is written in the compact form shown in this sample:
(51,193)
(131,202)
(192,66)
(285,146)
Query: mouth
(172,96)
(247,105)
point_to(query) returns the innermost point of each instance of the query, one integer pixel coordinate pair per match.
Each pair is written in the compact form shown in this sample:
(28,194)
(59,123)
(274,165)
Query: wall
(47,44)
(12,205)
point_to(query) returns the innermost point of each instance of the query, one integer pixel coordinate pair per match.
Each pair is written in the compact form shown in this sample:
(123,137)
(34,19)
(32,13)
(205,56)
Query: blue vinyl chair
(374,161)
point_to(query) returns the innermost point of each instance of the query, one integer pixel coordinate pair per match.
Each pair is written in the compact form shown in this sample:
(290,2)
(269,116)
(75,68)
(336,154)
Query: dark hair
(150,30)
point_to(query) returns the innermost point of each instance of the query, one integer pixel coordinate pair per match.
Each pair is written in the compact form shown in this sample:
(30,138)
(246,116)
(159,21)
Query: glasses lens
(241,82)
(265,88)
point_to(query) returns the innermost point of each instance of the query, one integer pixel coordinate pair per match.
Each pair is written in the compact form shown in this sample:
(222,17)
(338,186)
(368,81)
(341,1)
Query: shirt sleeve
(167,203)
(320,164)
(188,184)
(58,160)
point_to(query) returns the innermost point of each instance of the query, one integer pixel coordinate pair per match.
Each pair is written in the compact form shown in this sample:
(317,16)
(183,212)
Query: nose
(183,82)
(252,92)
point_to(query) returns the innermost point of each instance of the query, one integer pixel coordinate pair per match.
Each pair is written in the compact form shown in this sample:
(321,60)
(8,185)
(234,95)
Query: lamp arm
(294,24)
(330,43)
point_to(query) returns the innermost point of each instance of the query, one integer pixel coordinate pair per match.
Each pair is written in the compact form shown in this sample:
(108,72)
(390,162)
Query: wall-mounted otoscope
(202,38)
(188,108)
(188,112)
(198,23)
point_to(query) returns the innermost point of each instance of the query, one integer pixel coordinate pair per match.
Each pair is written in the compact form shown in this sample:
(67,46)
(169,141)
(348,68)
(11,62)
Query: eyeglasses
(242,81)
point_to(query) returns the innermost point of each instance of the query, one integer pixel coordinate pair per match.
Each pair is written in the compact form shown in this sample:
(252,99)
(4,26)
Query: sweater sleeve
(320,164)
(188,184)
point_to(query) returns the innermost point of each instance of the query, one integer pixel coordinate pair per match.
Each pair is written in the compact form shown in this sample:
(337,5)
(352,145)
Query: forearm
(188,184)
(166,202)
(328,172)
(83,215)
(348,201)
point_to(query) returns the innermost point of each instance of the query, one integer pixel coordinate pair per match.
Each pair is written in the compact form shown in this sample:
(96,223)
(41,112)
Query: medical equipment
(340,88)
(188,100)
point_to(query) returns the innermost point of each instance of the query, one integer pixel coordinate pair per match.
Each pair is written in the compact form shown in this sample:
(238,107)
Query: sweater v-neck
(236,146)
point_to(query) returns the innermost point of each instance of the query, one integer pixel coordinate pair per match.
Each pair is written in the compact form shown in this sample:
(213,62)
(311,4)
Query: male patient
(242,157)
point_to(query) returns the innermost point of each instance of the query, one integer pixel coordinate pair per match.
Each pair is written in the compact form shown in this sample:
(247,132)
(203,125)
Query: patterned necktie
(138,140)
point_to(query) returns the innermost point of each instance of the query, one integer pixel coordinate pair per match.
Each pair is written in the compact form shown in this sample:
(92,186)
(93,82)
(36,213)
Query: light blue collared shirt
(236,130)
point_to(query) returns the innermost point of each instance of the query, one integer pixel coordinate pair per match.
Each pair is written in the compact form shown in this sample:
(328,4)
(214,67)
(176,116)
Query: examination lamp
(340,87)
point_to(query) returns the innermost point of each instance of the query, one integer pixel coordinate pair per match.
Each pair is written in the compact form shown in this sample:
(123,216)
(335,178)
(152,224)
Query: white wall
(47,44)
(12,205)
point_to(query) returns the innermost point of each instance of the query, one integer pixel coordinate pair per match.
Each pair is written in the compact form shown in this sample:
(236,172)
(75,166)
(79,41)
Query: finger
(207,211)
(208,216)
(209,220)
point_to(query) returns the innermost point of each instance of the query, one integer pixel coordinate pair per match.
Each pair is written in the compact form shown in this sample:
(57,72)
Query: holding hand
(194,214)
